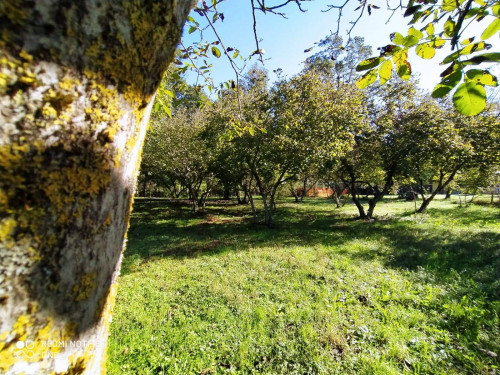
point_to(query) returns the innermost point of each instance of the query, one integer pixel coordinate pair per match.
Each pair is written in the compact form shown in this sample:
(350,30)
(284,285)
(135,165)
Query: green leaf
(399,56)
(369,63)
(416,33)
(367,79)
(385,71)
(496,9)
(169,93)
(467,41)
(447,84)
(165,107)
(425,51)
(482,76)
(471,48)
(485,57)
(430,29)
(404,70)
(251,130)
(411,10)
(448,5)
(192,29)
(437,43)
(449,27)
(410,41)
(397,38)
(235,54)
(480,2)
(215,52)
(191,19)
(167,111)
(416,17)
(492,29)
(476,12)
(470,98)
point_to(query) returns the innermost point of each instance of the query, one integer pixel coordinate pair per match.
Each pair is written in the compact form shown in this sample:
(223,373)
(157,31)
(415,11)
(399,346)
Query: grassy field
(320,293)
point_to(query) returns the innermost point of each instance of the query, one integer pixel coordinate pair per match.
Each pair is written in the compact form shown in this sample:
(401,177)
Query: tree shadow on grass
(474,256)
(167,229)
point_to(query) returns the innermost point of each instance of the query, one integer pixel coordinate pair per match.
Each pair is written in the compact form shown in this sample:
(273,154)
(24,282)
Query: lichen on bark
(76,83)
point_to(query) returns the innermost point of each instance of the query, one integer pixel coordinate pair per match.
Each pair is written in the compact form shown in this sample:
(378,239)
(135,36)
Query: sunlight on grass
(318,294)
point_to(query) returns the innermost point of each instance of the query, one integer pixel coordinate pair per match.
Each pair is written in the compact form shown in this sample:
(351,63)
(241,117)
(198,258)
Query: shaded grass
(320,293)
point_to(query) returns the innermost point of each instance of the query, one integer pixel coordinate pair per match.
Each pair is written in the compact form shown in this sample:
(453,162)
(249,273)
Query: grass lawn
(320,293)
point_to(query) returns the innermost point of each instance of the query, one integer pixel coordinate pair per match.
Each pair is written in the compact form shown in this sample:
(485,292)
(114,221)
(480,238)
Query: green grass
(320,293)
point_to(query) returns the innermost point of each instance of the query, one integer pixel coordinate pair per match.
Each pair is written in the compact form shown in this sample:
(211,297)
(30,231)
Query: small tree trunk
(254,211)
(336,197)
(294,193)
(304,190)
(448,194)
(371,207)
(227,194)
(424,205)
(203,200)
(359,206)
(268,211)
(144,188)
(193,196)
(441,185)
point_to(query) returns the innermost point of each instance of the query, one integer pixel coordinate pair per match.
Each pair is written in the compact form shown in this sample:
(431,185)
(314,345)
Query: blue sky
(285,40)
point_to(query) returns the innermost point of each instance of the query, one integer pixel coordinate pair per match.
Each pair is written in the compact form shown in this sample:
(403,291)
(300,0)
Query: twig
(209,79)
(233,65)
(259,51)
(460,20)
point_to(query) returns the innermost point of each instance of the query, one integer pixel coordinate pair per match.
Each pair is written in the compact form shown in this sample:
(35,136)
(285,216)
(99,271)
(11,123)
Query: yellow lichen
(107,222)
(25,55)
(86,285)
(7,227)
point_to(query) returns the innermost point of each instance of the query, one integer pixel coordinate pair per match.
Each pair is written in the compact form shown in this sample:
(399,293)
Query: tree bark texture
(77,79)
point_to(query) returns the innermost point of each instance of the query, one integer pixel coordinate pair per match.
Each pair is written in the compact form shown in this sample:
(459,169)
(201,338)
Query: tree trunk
(144,188)
(252,205)
(227,194)
(425,204)
(304,189)
(336,198)
(441,185)
(76,87)
(371,207)
(203,200)
(359,206)
(193,196)
(294,193)
(268,210)
(448,194)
